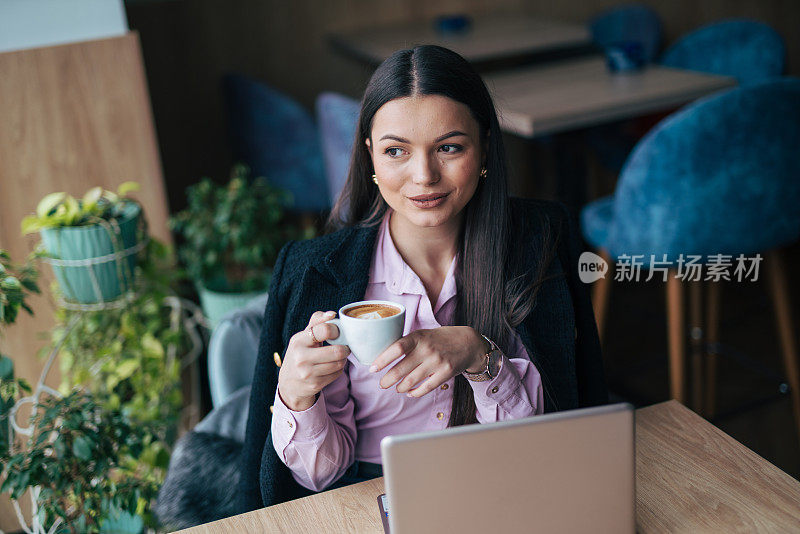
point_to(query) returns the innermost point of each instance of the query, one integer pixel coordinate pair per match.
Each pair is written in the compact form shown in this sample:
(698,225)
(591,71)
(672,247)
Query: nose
(425,170)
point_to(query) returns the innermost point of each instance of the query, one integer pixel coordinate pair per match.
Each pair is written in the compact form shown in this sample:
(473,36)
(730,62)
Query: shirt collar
(389,268)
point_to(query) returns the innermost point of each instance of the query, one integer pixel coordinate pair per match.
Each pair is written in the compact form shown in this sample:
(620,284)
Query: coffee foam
(372,311)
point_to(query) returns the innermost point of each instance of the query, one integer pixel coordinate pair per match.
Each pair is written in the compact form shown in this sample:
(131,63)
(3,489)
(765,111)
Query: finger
(325,331)
(404,345)
(320,317)
(433,382)
(319,354)
(323,369)
(328,354)
(311,335)
(400,370)
(415,377)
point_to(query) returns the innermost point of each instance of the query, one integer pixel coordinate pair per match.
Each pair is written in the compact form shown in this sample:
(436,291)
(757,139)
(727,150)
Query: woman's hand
(432,357)
(308,366)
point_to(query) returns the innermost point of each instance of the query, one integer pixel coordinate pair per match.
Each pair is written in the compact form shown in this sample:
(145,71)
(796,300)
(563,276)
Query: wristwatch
(494,362)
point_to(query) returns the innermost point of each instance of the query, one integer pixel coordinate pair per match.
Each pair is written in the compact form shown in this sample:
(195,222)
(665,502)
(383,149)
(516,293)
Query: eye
(394,152)
(451,149)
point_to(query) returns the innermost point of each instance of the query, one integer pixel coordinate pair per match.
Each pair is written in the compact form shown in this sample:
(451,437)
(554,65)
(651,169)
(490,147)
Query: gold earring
(483,172)
(375,179)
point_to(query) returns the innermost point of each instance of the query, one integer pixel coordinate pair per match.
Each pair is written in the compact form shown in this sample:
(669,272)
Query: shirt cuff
(289,425)
(498,388)
(502,390)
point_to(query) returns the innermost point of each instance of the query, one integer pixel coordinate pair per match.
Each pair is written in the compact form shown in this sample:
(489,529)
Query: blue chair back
(634,22)
(337,117)
(748,50)
(720,176)
(233,350)
(278,139)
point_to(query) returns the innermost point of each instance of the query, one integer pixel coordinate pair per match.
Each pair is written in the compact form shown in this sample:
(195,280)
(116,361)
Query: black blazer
(328,272)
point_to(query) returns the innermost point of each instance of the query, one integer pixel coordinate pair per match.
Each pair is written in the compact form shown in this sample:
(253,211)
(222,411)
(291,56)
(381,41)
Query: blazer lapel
(337,277)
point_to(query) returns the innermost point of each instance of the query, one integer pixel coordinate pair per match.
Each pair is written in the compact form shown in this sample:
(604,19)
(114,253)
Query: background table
(492,37)
(578,93)
(690,477)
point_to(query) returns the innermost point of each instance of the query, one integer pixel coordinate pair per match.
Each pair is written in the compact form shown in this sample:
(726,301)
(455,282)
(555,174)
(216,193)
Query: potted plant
(91,242)
(131,355)
(81,463)
(99,448)
(77,455)
(231,238)
(17,282)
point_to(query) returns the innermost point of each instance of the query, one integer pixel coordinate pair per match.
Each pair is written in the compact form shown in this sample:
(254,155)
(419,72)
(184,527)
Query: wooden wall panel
(71,117)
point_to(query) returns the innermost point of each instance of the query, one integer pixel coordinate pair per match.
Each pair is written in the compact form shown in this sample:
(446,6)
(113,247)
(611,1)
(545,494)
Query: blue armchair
(278,139)
(748,50)
(337,117)
(719,176)
(203,472)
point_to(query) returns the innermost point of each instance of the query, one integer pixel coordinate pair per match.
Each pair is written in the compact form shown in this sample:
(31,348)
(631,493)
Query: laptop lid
(569,471)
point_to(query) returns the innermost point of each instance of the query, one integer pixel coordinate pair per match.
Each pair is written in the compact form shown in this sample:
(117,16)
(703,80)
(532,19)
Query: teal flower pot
(216,304)
(89,244)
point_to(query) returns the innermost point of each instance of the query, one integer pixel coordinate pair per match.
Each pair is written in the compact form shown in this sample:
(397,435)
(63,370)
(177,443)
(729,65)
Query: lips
(428,197)
(429,201)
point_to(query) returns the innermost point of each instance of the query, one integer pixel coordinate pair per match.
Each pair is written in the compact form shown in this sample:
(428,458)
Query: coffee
(366,338)
(371,311)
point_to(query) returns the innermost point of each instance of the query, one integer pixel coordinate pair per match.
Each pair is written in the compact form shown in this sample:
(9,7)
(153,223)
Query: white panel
(34,23)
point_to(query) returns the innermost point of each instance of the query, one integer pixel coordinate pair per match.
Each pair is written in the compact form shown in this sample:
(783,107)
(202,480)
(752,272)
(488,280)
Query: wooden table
(578,93)
(491,37)
(690,477)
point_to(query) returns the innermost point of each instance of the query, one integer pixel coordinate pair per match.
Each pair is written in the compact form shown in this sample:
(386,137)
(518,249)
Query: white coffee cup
(367,337)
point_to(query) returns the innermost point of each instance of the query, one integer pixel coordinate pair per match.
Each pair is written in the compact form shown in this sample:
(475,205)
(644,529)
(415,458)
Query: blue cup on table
(625,56)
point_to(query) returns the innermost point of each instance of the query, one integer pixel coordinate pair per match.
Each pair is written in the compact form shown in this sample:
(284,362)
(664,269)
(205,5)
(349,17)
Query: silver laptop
(570,471)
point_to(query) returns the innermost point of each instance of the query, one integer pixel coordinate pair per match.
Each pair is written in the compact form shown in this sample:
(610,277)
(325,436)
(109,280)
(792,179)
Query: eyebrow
(454,133)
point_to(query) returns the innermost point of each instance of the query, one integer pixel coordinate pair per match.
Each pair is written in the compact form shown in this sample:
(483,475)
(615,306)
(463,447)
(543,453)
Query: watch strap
(486,374)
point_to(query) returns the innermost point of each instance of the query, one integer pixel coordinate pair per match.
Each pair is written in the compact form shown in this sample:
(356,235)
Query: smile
(431,200)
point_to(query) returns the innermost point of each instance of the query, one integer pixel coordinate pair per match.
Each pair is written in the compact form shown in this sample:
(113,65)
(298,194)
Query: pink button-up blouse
(352,414)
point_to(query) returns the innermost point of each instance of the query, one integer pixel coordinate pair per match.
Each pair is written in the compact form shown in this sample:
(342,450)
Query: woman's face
(427,155)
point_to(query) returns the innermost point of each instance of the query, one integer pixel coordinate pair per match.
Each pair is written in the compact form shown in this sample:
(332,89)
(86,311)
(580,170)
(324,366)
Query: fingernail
(373,368)
(330,313)
(409,395)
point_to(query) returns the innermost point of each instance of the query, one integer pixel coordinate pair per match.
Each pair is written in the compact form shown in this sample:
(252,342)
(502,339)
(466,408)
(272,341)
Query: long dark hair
(490,299)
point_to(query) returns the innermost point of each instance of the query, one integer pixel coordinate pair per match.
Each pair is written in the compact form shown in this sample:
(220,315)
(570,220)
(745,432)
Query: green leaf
(73,210)
(6,368)
(31,224)
(82,448)
(91,198)
(48,203)
(152,346)
(127,368)
(24,385)
(127,187)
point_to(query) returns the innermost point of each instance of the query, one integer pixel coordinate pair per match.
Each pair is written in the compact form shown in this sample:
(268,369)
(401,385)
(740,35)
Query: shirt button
(440,416)
(290,424)
(494,389)
(445,387)
(272,409)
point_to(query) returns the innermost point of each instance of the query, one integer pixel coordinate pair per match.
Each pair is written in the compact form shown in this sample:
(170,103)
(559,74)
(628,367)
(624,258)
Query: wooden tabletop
(490,37)
(690,477)
(693,477)
(578,93)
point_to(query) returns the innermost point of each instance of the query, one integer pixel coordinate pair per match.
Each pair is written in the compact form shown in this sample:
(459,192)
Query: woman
(497,324)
